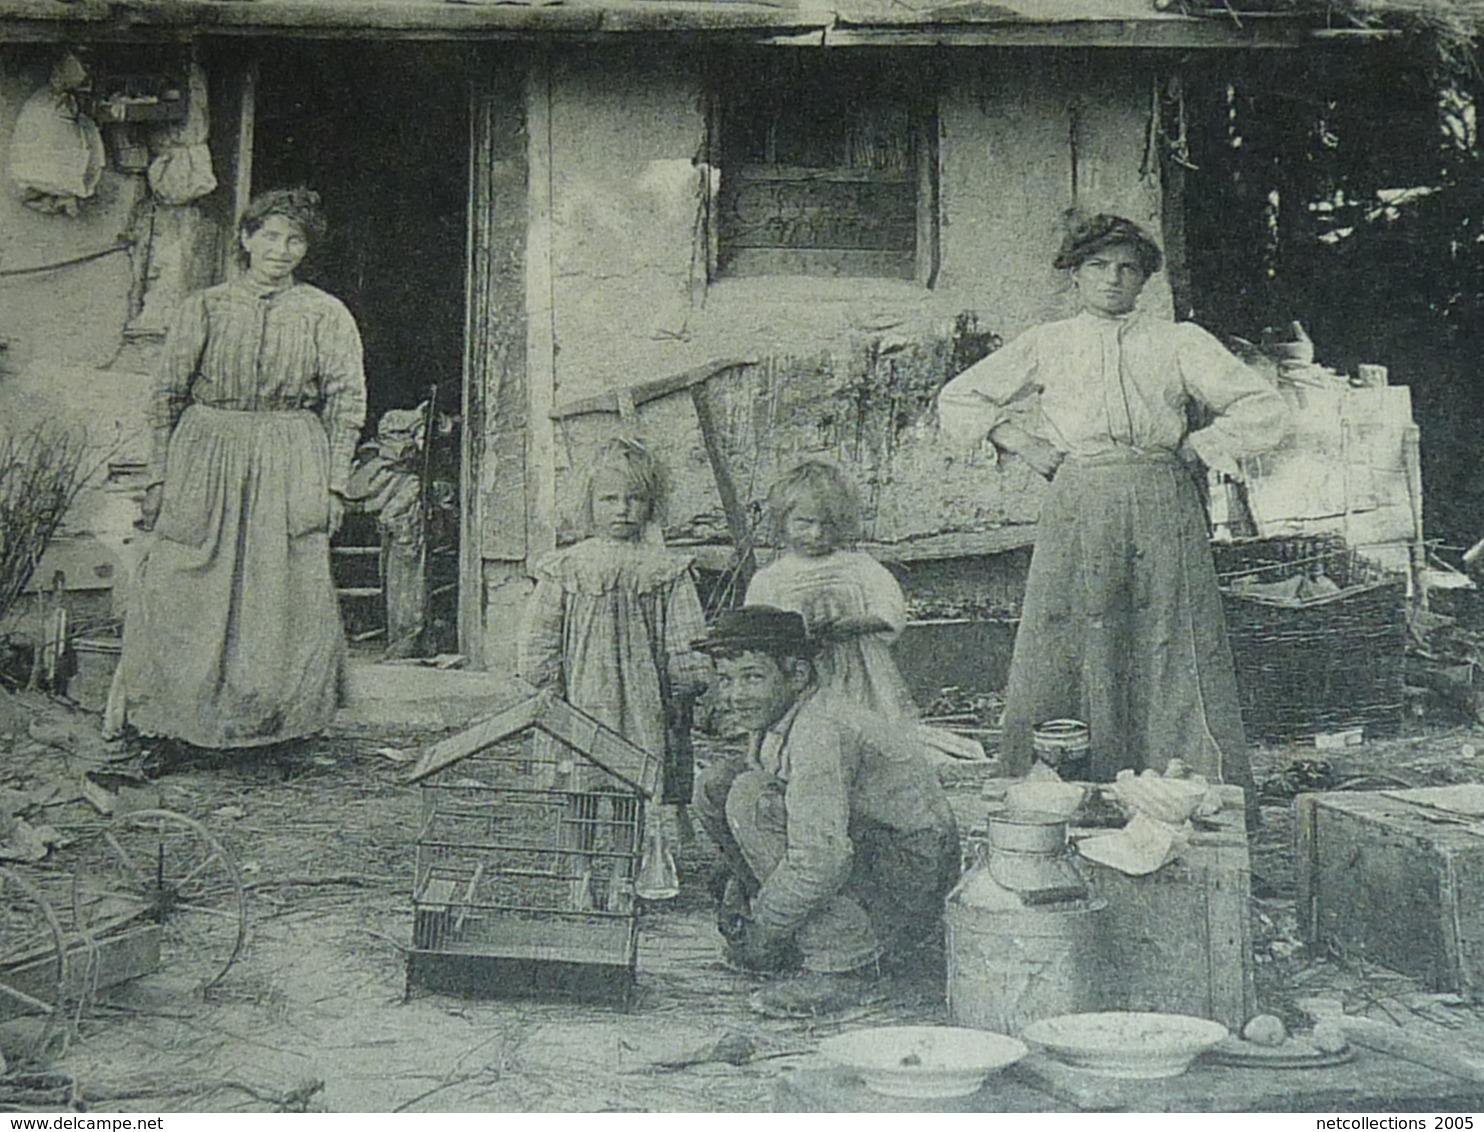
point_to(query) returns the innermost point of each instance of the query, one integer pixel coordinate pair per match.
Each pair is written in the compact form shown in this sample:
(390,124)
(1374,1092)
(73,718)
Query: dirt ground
(314,1014)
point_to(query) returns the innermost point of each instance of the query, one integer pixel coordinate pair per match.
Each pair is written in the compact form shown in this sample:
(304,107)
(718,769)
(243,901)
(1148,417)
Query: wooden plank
(478,254)
(646,391)
(478,735)
(1194,33)
(726,487)
(541,376)
(958,544)
(1177,938)
(832,174)
(836,262)
(1305,860)
(928,158)
(110,960)
(497,381)
(247,119)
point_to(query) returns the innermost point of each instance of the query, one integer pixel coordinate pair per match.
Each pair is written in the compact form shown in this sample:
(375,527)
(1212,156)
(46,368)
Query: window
(827,167)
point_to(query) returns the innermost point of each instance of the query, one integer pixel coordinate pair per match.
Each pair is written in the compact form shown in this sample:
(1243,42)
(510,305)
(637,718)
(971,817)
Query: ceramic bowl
(1126,1044)
(1170,800)
(923,1061)
(1054,799)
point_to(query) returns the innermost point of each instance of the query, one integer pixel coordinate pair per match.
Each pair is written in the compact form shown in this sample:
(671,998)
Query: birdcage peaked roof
(544,711)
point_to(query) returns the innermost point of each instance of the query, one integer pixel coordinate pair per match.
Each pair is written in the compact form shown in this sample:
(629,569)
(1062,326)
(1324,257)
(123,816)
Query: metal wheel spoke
(203,910)
(117,894)
(197,871)
(26,1000)
(207,953)
(143,880)
(49,948)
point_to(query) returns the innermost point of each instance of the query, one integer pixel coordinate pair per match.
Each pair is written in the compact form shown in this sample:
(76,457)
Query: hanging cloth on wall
(182,171)
(56,151)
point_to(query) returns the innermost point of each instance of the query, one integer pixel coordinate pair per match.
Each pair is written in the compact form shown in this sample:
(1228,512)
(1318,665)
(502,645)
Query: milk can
(1022,930)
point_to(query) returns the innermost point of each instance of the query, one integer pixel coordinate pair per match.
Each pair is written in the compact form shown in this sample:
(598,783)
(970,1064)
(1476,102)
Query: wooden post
(541,345)
(247,124)
(471,440)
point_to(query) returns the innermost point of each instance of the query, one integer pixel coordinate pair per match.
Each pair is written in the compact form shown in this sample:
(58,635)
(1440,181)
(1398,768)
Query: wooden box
(1393,877)
(1179,941)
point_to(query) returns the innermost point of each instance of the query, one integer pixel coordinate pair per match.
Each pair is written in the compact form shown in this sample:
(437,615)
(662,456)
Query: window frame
(912,79)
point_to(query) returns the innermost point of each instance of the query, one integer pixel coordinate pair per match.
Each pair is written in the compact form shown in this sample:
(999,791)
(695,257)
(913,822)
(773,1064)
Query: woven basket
(1325,664)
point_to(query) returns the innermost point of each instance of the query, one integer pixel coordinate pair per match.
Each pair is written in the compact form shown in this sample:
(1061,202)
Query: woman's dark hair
(302,206)
(1087,236)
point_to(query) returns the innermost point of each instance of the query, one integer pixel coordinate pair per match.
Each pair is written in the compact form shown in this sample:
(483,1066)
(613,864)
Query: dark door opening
(381,132)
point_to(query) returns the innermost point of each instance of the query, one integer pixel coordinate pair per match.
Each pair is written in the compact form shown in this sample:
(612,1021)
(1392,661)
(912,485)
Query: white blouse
(1089,384)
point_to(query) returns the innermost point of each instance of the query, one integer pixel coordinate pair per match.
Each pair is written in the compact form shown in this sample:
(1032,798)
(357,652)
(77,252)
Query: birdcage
(528,852)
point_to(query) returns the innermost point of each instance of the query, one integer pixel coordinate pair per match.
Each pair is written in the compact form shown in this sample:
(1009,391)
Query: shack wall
(844,368)
(65,359)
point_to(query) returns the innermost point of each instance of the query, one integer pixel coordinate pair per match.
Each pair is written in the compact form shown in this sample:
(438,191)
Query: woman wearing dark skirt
(233,635)
(1122,624)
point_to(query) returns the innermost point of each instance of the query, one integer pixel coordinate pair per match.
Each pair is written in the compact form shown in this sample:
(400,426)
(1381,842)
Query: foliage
(41,472)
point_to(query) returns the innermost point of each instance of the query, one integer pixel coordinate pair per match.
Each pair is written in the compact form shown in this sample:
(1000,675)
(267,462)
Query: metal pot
(1028,833)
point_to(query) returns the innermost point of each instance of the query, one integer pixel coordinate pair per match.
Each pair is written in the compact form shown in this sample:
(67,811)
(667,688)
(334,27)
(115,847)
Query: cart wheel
(165,868)
(33,971)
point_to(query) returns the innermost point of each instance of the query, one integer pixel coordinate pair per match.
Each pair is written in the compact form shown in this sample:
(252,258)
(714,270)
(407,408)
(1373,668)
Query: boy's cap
(758,628)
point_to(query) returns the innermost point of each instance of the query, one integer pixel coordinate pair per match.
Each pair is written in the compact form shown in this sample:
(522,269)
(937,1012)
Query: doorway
(381,132)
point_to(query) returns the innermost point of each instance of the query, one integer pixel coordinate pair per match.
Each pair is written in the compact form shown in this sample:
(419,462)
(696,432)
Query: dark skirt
(1122,625)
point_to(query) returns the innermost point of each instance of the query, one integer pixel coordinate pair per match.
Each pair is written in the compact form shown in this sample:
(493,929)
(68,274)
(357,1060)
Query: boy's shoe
(814,994)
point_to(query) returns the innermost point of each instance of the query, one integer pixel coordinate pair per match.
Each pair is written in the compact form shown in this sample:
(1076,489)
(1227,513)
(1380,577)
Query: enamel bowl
(923,1062)
(1126,1044)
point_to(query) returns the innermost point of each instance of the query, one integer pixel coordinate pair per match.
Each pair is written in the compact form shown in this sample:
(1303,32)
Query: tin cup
(1063,745)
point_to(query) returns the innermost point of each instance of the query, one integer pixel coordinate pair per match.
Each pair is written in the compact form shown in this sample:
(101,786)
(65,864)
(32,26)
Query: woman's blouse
(243,345)
(1089,384)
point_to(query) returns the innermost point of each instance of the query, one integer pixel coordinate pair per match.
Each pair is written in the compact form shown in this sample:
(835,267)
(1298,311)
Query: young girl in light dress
(612,621)
(849,601)
(613,618)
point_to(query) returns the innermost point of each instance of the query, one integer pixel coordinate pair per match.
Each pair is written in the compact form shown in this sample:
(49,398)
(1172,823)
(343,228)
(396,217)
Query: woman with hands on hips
(1122,624)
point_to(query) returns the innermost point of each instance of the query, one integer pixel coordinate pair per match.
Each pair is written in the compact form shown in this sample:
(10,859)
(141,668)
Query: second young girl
(850,602)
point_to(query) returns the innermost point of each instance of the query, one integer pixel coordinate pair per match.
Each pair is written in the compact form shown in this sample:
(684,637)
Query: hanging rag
(56,150)
(181,170)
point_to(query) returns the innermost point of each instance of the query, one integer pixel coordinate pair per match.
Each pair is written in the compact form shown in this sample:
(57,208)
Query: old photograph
(741,556)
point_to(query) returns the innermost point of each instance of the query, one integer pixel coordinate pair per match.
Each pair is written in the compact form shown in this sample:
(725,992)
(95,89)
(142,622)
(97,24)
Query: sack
(182,170)
(56,151)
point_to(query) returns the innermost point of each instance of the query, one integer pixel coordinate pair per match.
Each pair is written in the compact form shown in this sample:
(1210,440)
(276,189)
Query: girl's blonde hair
(829,489)
(631,459)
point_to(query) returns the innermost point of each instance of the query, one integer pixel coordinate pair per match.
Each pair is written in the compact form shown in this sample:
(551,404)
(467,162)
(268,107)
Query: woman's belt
(276,407)
(1156,456)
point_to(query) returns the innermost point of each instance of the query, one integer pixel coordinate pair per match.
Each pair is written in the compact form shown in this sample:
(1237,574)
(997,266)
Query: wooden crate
(1179,941)
(1393,877)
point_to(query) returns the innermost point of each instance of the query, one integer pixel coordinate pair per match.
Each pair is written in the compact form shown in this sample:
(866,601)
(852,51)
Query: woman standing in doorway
(233,635)
(1122,623)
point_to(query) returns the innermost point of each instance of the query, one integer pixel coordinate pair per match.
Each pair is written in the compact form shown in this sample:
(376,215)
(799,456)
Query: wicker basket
(1320,664)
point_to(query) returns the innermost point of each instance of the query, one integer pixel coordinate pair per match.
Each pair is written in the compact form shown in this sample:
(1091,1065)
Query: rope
(121,246)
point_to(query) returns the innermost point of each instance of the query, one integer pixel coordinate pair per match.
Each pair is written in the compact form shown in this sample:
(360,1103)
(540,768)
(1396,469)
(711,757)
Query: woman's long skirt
(1122,625)
(233,635)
